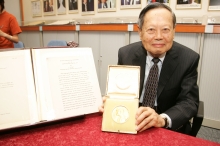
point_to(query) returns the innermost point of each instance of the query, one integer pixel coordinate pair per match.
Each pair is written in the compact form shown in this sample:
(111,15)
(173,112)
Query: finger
(101,108)
(146,120)
(144,124)
(147,126)
(150,121)
(104,99)
(141,114)
(140,111)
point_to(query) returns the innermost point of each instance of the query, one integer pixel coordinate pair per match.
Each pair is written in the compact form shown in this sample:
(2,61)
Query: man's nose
(158,34)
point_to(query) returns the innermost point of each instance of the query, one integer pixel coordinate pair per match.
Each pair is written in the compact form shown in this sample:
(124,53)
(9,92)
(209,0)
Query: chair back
(19,45)
(198,119)
(56,43)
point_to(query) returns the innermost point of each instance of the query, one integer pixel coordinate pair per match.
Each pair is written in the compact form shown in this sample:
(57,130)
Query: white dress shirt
(149,64)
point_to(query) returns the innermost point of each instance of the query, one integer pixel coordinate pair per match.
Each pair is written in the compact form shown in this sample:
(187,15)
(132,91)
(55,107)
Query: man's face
(157,32)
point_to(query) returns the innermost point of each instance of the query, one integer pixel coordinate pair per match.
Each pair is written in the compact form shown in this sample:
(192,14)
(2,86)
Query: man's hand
(146,117)
(101,108)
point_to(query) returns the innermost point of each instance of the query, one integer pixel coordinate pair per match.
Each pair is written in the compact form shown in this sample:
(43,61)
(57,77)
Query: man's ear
(174,33)
(139,32)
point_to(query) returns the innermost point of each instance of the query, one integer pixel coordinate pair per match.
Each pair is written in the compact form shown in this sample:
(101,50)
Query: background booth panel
(105,47)
(91,39)
(31,38)
(190,40)
(210,80)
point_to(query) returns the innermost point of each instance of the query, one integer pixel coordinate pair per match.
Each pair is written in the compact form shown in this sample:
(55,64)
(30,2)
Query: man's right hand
(101,108)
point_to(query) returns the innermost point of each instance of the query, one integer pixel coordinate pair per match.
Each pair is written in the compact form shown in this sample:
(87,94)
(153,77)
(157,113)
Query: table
(87,131)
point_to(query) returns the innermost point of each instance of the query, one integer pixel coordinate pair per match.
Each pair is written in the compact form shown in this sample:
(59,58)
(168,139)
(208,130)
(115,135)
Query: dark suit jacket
(127,3)
(73,6)
(122,2)
(89,6)
(177,93)
(182,2)
(100,5)
(160,1)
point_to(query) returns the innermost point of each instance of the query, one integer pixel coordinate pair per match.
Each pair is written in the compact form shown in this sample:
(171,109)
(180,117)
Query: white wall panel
(188,39)
(134,37)
(105,47)
(91,39)
(30,38)
(110,42)
(210,77)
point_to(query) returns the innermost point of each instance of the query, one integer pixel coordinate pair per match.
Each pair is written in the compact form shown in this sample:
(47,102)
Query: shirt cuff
(168,118)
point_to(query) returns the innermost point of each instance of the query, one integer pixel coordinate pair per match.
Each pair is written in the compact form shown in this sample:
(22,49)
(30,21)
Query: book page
(68,82)
(17,91)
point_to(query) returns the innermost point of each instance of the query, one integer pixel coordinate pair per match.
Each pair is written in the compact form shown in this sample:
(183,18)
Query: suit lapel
(169,65)
(140,60)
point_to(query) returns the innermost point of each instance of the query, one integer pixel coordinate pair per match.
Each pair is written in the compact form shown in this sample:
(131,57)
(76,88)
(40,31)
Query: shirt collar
(150,57)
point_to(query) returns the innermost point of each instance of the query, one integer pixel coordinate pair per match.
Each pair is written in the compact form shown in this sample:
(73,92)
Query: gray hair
(154,6)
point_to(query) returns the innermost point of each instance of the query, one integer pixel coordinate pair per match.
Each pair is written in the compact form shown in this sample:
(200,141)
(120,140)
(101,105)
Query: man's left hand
(146,117)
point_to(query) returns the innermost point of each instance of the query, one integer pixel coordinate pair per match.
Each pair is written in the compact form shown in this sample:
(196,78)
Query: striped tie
(151,85)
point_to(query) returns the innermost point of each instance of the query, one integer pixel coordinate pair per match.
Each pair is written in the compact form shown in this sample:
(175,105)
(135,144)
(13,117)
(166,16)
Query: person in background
(87,5)
(84,6)
(9,28)
(124,2)
(73,5)
(111,3)
(102,4)
(174,93)
(51,5)
(90,5)
(61,6)
(47,6)
(183,1)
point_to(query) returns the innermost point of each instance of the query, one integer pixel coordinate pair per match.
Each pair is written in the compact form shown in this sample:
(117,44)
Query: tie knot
(155,60)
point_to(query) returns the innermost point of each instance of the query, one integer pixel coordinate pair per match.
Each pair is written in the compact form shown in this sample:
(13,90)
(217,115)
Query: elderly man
(174,97)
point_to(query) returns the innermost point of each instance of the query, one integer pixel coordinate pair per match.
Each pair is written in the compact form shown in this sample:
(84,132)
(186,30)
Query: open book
(38,85)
